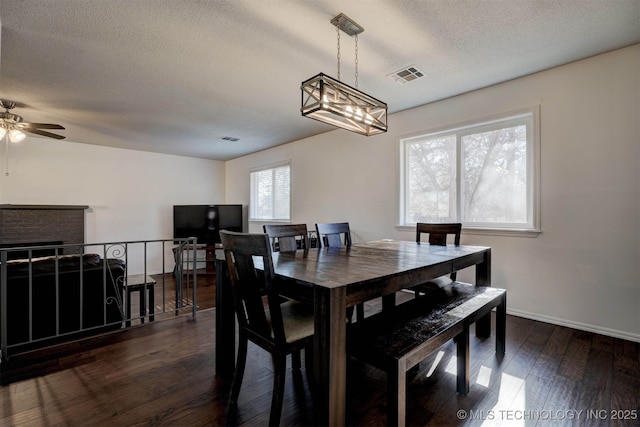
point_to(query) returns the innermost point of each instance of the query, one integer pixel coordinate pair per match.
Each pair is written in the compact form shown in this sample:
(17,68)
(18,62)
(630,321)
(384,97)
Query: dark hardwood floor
(163,374)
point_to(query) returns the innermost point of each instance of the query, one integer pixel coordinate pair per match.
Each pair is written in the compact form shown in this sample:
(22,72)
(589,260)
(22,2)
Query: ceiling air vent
(406,75)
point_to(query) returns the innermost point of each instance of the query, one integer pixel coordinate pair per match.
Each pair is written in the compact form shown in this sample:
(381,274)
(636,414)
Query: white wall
(584,269)
(130,193)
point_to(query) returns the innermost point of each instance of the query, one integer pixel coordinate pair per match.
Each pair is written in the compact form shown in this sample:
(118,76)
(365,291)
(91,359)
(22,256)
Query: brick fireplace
(42,224)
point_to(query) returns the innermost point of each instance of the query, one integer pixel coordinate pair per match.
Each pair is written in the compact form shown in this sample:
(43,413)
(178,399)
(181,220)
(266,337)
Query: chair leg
(295,360)
(239,372)
(350,315)
(279,371)
(308,364)
(360,312)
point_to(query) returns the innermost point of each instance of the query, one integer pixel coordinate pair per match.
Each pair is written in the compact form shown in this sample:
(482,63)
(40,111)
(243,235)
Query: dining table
(334,278)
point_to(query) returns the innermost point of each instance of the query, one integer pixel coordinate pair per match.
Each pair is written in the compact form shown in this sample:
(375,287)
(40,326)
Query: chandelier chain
(338,33)
(356,61)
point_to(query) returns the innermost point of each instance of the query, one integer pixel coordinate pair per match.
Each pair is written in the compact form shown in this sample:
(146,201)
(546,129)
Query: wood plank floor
(163,374)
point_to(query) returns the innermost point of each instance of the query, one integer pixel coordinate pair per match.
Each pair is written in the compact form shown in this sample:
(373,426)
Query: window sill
(486,231)
(502,232)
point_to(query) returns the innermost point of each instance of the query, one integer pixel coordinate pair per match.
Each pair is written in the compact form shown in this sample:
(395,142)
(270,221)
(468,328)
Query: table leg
(330,356)
(483,278)
(225,323)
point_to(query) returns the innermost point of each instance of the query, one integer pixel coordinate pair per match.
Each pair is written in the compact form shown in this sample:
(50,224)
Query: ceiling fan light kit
(8,122)
(14,127)
(330,101)
(16,136)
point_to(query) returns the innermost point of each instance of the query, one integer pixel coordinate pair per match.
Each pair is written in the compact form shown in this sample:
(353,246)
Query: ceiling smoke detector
(406,74)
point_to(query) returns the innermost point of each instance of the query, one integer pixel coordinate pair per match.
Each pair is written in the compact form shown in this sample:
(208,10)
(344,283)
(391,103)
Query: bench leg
(483,326)
(501,327)
(462,346)
(396,394)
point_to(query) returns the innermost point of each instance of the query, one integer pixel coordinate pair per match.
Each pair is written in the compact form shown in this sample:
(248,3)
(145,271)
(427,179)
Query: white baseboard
(576,325)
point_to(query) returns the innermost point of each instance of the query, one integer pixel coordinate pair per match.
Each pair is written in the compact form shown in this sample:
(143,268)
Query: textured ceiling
(175,76)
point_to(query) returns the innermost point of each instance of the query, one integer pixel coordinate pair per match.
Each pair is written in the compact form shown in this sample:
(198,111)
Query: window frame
(272,167)
(531,115)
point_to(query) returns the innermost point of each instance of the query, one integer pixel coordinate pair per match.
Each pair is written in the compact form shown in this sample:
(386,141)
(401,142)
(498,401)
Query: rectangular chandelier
(330,101)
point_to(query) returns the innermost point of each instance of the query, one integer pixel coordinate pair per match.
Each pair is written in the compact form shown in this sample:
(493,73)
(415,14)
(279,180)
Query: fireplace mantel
(44,207)
(20,224)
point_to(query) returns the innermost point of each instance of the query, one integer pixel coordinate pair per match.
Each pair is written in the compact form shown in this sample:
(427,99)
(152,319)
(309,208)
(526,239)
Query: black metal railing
(80,290)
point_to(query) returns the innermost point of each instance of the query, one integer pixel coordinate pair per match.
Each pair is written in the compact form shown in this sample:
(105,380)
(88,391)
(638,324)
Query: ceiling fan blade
(44,133)
(13,121)
(43,126)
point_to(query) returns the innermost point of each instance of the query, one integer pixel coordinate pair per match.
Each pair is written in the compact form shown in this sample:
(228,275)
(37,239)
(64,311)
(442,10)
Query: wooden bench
(398,339)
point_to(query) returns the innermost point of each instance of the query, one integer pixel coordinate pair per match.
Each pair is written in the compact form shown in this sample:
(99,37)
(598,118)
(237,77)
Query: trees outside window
(482,174)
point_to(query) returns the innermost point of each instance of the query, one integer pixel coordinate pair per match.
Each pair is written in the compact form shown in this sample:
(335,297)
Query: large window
(481,174)
(271,193)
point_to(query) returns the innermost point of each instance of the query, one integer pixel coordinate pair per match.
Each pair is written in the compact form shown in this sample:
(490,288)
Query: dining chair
(438,234)
(285,237)
(336,234)
(277,327)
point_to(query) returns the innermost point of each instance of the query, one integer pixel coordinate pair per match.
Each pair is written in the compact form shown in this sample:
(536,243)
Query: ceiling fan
(15,126)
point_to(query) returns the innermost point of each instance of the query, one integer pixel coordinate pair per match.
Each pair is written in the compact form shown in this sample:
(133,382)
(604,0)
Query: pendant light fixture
(330,101)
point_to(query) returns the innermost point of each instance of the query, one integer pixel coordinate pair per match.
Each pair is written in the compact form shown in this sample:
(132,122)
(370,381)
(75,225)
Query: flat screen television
(205,221)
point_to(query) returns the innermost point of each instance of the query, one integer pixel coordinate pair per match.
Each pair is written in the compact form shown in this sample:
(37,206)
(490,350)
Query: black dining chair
(281,328)
(287,237)
(336,234)
(438,234)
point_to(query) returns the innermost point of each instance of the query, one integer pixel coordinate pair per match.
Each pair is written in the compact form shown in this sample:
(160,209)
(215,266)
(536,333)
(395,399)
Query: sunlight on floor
(452,366)
(484,376)
(508,410)
(435,363)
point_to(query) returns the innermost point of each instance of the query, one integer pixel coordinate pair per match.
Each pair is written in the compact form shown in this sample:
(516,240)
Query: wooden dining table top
(368,269)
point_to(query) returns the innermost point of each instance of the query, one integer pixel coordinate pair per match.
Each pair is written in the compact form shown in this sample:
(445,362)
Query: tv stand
(209,259)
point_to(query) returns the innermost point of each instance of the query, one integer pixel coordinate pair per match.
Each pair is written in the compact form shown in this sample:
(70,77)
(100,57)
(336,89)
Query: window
(482,174)
(270,193)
